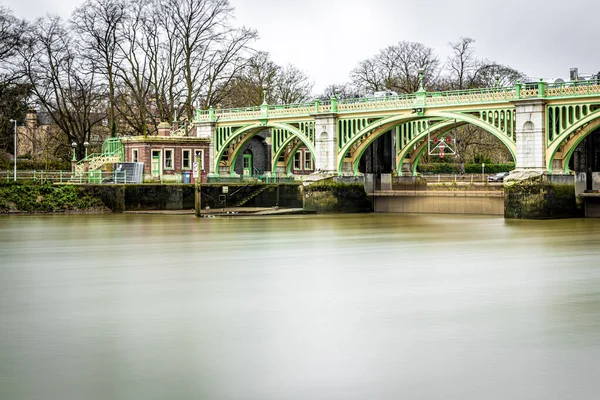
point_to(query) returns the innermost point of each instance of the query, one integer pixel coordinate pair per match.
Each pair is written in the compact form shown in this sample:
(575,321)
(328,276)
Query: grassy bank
(46,198)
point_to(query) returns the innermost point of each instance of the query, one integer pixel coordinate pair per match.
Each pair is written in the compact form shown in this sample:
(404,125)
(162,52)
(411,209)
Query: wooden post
(197,187)
(197,199)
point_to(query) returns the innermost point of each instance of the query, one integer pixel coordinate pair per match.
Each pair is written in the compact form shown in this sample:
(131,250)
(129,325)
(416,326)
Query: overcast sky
(327,38)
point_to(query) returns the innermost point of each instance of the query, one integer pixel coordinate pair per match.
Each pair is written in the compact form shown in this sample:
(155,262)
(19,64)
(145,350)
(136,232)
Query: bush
(453,168)
(489,168)
(45,198)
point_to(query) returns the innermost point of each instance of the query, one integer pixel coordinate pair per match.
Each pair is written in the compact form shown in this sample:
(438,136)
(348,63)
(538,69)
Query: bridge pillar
(530,131)
(207,130)
(326,143)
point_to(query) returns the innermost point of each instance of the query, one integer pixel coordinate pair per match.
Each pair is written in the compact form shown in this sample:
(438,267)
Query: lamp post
(14,121)
(421,72)
(74,159)
(86,144)
(483,172)
(264,91)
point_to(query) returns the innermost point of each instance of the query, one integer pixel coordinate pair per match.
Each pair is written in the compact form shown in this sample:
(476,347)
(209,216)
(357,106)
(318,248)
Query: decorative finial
(264,95)
(421,72)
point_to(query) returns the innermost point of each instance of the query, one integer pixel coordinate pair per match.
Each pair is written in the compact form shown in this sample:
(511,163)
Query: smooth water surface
(307,307)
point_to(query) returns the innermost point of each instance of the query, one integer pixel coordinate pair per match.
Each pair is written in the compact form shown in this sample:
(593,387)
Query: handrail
(412,100)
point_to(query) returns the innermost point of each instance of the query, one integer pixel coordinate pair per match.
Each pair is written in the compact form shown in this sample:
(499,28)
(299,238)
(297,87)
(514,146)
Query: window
(168,158)
(199,158)
(307,161)
(186,159)
(134,155)
(298,161)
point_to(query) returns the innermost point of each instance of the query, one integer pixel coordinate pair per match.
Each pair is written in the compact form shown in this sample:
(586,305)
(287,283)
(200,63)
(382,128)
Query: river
(300,307)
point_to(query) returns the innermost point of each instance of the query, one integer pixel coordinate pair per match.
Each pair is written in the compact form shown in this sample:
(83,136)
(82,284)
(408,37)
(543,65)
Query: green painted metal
(564,127)
(563,118)
(415,137)
(499,122)
(114,146)
(417,158)
(420,99)
(112,149)
(305,131)
(247,165)
(362,120)
(567,158)
(288,166)
(349,128)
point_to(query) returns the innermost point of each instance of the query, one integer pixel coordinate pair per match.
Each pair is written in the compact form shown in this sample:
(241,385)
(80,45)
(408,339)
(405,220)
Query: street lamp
(14,121)
(74,145)
(421,72)
(86,144)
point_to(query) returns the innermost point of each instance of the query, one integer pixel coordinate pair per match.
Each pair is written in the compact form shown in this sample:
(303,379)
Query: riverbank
(238,198)
(230,212)
(18,198)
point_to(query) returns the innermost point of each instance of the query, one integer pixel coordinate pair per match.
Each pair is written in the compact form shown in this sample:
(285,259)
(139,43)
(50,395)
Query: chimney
(164,129)
(574,74)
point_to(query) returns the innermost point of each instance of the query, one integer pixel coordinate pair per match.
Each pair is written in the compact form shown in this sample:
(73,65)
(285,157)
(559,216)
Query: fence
(65,177)
(468,178)
(267,178)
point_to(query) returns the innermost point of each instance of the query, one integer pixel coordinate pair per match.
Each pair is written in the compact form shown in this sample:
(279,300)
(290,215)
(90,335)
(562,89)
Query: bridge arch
(418,149)
(248,132)
(570,139)
(290,156)
(378,128)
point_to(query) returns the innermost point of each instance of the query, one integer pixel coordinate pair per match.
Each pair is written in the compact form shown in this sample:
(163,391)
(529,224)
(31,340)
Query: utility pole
(14,121)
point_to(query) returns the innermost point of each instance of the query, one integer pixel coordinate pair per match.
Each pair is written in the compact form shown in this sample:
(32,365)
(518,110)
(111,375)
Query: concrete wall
(441,203)
(541,198)
(592,207)
(181,197)
(580,182)
(337,197)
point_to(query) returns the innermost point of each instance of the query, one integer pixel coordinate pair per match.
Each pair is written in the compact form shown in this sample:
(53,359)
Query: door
(156,163)
(248,164)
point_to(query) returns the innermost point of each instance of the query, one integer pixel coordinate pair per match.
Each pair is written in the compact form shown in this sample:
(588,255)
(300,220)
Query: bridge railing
(576,88)
(406,101)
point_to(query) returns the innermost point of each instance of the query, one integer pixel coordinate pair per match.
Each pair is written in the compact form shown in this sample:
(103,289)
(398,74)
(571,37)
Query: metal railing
(465,178)
(66,177)
(413,100)
(262,178)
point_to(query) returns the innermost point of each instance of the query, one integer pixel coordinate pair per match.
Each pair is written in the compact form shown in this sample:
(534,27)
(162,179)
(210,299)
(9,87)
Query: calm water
(311,307)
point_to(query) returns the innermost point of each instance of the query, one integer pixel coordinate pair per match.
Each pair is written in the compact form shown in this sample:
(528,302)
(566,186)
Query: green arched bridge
(541,124)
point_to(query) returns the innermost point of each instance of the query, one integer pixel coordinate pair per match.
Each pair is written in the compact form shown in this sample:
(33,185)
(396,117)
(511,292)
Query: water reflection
(320,307)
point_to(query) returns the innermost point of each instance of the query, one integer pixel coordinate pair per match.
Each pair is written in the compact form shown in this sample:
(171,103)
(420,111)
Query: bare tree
(396,68)
(63,85)
(138,58)
(13,89)
(260,77)
(212,51)
(98,23)
(342,91)
(292,86)
(462,64)
(466,71)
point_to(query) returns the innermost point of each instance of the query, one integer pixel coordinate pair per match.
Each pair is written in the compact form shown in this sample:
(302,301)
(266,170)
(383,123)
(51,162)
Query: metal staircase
(112,152)
(251,195)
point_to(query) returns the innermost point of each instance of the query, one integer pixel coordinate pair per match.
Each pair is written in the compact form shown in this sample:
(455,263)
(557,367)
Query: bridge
(541,124)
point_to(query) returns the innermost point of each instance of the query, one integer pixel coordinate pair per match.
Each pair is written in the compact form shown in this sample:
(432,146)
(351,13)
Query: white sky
(327,38)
